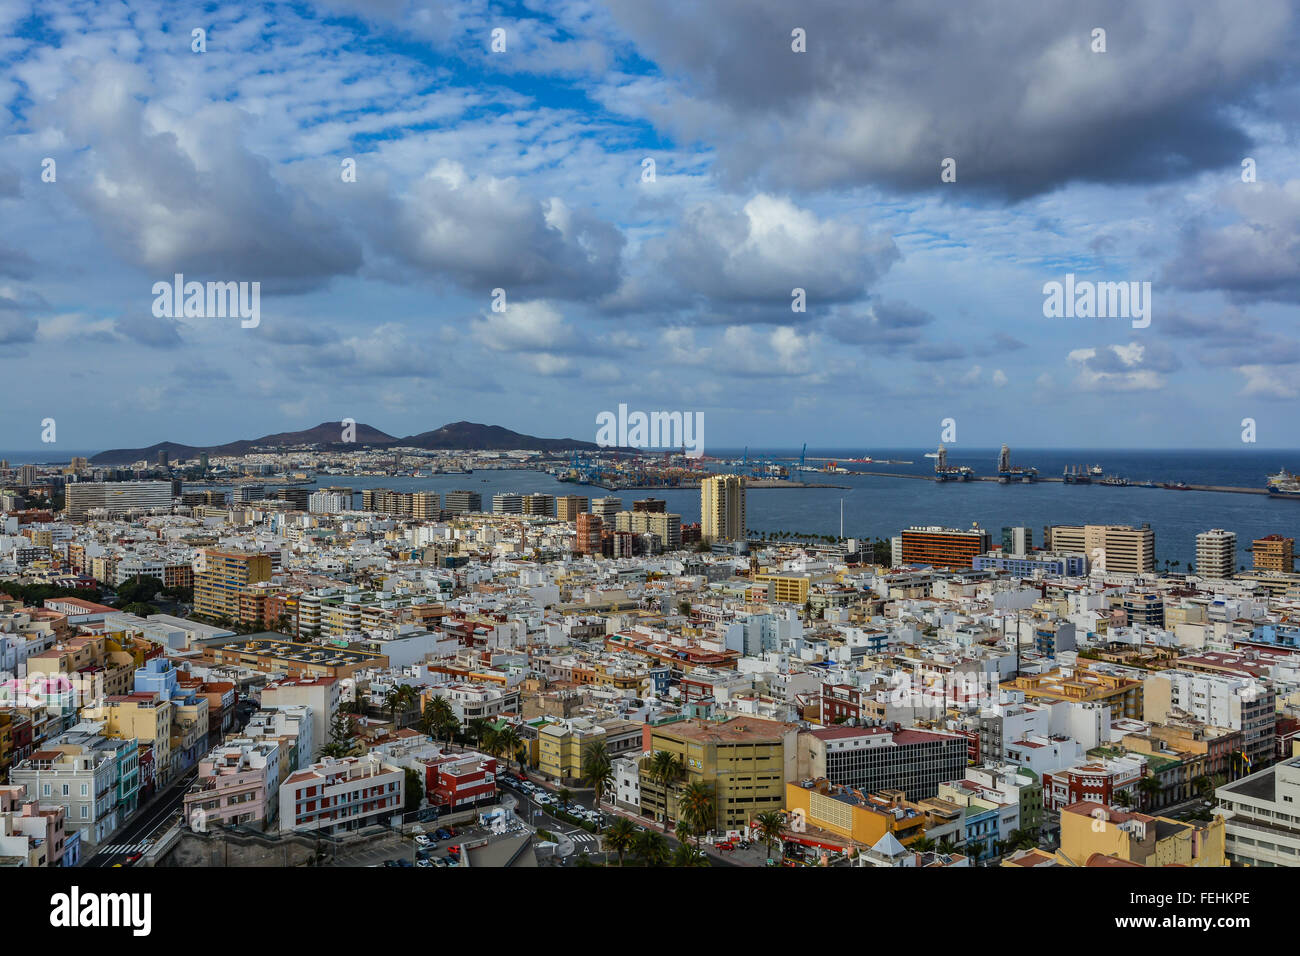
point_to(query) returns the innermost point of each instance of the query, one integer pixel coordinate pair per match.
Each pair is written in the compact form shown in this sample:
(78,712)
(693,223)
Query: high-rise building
(117,497)
(425,504)
(1017,541)
(27,475)
(650,504)
(225,575)
(568,507)
(539,504)
(463,502)
(507,504)
(589,528)
(668,527)
(722,508)
(1274,553)
(606,507)
(162,458)
(944,547)
(329,503)
(1117,548)
(1216,553)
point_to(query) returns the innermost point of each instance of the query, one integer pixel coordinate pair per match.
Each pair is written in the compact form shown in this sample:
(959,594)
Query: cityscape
(590,436)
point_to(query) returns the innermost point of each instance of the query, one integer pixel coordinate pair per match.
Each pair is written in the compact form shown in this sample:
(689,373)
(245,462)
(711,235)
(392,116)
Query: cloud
(1270,381)
(1124,368)
(1021,102)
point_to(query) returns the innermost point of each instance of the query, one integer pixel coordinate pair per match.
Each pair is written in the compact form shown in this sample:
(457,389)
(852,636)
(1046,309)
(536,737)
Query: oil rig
(1008,473)
(946,472)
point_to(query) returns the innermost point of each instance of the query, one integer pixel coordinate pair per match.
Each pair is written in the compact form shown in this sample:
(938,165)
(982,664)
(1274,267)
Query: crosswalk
(580,838)
(125,848)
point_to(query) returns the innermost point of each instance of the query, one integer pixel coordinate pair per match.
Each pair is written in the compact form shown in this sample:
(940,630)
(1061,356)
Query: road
(141,829)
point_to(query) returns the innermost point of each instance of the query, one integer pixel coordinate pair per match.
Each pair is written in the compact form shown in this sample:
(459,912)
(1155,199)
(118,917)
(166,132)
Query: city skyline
(648,191)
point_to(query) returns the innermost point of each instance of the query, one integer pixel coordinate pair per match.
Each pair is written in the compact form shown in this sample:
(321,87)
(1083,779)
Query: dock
(1223,489)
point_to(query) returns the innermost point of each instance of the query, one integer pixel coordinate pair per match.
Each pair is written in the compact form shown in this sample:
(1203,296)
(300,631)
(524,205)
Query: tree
(140,609)
(509,743)
(923,845)
(620,837)
(947,846)
(684,607)
(665,768)
(341,744)
(687,855)
(565,795)
(770,823)
(652,849)
(597,769)
(1124,798)
(696,805)
(414,790)
(1150,788)
(475,730)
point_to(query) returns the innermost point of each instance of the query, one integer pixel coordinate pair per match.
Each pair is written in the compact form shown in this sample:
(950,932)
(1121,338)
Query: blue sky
(523,170)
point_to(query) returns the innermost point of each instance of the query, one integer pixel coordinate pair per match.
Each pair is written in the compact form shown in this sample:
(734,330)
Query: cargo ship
(1284,485)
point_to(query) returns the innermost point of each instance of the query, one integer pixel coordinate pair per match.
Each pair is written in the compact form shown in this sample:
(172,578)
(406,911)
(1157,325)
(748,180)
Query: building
(507,504)
(463,502)
(722,508)
(1017,541)
(1057,564)
(667,527)
(649,504)
(1090,829)
(238,785)
(339,795)
(786,588)
(224,576)
(944,547)
(913,762)
(1218,700)
(1216,553)
(561,744)
(89,776)
(860,818)
(538,504)
(329,502)
(320,695)
(1101,780)
(746,761)
(453,782)
(568,507)
(606,507)
(1274,553)
(588,538)
(1262,816)
(1119,549)
(117,497)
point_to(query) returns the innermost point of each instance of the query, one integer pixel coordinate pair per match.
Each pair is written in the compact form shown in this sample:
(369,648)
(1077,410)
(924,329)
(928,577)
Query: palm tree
(665,768)
(923,845)
(769,827)
(565,794)
(475,730)
(1124,798)
(440,715)
(509,743)
(687,855)
(651,848)
(947,846)
(620,837)
(1150,788)
(597,769)
(696,805)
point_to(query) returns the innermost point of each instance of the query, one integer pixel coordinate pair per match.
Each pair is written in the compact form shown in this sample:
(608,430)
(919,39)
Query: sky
(646,184)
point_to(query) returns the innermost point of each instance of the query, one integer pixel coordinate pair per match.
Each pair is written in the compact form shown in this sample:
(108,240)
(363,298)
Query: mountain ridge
(469,436)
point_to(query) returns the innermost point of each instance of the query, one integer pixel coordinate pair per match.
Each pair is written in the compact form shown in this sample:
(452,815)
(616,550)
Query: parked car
(423,863)
(726,845)
(443,833)
(422,839)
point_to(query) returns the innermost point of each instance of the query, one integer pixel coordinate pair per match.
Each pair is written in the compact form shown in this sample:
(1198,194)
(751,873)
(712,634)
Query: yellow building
(785,588)
(1122,694)
(858,817)
(1089,828)
(226,575)
(147,718)
(1274,553)
(560,747)
(722,508)
(745,760)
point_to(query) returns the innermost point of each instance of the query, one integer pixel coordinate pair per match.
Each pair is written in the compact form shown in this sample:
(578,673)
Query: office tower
(944,547)
(203,460)
(539,504)
(722,508)
(1216,553)
(162,458)
(589,528)
(508,504)
(246,493)
(78,465)
(650,504)
(225,575)
(117,497)
(27,475)
(463,502)
(568,507)
(606,507)
(1274,553)
(1116,548)
(300,498)
(1017,541)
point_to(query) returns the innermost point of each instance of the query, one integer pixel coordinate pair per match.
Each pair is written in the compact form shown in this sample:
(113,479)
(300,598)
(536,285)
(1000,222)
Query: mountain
(475,437)
(467,435)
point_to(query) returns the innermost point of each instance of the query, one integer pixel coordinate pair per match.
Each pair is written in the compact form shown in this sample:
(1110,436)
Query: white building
(337,796)
(1216,553)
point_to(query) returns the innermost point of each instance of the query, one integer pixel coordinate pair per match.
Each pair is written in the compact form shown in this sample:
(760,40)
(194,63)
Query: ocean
(881,507)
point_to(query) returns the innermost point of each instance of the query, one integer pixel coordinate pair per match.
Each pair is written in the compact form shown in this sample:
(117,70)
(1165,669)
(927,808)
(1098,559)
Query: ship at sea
(1284,485)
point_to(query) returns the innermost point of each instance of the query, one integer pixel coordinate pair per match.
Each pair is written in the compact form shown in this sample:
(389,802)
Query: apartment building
(322,695)
(340,795)
(224,576)
(1216,553)
(116,497)
(722,508)
(859,817)
(1092,830)
(1100,780)
(455,781)
(668,527)
(1274,553)
(507,504)
(539,504)
(1218,700)
(589,528)
(93,778)
(31,831)
(568,507)
(1120,549)
(463,502)
(238,785)
(606,507)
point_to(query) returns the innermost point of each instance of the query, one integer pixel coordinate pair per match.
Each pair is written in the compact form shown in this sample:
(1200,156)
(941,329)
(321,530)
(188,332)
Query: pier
(1224,489)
